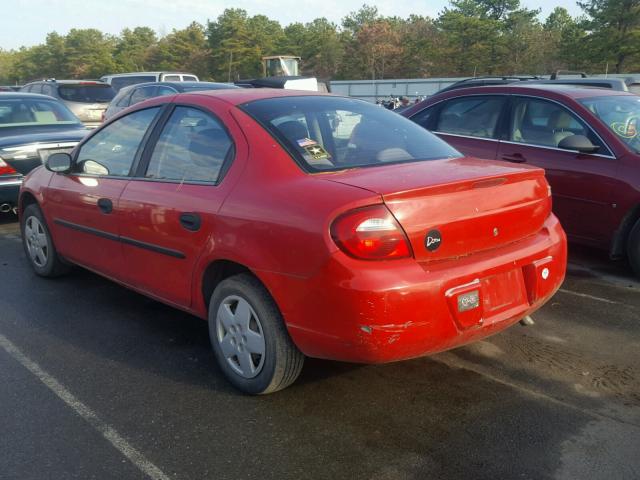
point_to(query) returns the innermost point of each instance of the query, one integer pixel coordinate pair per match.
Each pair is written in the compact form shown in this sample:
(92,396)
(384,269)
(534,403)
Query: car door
(581,184)
(83,206)
(469,123)
(169,208)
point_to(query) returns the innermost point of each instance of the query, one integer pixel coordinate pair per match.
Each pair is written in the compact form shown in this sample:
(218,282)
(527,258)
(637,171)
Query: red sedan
(298,224)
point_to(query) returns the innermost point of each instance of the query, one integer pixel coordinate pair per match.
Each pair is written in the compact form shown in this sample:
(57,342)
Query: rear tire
(38,244)
(633,248)
(249,337)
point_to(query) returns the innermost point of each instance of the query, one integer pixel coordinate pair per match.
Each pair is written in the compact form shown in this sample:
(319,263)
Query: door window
(171,78)
(142,93)
(164,90)
(48,90)
(193,146)
(425,118)
(112,150)
(471,116)
(540,122)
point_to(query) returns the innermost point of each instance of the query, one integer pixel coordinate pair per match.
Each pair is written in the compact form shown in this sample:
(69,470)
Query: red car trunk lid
(456,207)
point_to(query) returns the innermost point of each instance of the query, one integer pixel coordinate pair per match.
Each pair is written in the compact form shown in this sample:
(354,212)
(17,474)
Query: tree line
(469,37)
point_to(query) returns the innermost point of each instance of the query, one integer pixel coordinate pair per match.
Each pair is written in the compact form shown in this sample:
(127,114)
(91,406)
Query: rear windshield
(325,133)
(19,112)
(86,93)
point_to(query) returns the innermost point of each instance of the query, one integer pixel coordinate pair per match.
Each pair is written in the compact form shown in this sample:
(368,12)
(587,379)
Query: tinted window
(425,118)
(164,90)
(189,78)
(118,82)
(142,93)
(122,99)
(16,112)
(192,147)
(112,150)
(471,116)
(48,90)
(540,122)
(86,93)
(332,133)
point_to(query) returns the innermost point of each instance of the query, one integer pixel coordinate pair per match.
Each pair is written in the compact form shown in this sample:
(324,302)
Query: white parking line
(585,295)
(85,412)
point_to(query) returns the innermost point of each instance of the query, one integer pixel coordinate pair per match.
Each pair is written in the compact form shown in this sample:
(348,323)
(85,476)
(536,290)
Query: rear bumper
(9,189)
(374,312)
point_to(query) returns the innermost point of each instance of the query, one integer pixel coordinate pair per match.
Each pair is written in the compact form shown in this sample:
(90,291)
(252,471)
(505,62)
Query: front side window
(333,133)
(111,151)
(475,116)
(27,112)
(620,114)
(540,122)
(192,147)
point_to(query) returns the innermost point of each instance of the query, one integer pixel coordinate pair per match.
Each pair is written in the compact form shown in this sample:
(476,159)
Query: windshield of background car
(19,112)
(86,93)
(325,133)
(620,114)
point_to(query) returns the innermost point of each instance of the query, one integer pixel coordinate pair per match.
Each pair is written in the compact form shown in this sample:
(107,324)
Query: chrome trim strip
(10,182)
(465,136)
(557,149)
(40,146)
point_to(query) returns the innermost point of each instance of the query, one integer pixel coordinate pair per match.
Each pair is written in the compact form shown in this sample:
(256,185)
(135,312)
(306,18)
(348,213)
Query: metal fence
(413,88)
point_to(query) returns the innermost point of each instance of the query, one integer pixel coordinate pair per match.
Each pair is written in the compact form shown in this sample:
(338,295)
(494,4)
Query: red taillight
(6,169)
(370,233)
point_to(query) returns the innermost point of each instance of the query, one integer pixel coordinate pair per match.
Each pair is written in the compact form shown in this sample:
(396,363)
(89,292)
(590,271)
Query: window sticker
(306,142)
(626,129)
(317,152)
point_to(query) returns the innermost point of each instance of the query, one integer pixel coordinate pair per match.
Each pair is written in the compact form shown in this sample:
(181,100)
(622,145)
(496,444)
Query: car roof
(572,91)
(162,72)
(69,82)
(237,96)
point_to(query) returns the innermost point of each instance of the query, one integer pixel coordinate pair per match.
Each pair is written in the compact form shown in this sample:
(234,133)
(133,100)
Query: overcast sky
(26,22)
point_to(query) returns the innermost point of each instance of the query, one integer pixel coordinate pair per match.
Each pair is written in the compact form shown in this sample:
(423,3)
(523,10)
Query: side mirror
(59,163)
(579,143)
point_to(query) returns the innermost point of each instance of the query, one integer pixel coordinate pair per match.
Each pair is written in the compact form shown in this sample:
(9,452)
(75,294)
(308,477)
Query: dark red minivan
(586,139)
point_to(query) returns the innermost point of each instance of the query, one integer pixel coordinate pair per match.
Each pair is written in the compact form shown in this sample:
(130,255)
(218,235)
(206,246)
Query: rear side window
(333,133)
(189,78)
(112,150)
(171,78)
(471,116)
(122,99)
(36,88)
(192,147)
(142,93)
(86,93)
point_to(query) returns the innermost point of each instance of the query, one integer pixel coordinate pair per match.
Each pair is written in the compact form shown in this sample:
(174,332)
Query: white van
(119,80)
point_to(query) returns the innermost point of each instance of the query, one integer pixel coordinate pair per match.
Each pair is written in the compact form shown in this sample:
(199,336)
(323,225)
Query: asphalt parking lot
(100,382)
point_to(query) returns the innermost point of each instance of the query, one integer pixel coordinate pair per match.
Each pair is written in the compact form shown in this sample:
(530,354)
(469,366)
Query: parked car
(133,94)
(577,78)
(585,138)
(298,224)
(31,128)
(88,100)
(120,80)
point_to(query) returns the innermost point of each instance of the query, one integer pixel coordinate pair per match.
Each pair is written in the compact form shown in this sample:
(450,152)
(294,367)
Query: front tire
(38,244)
(633,248)
(249,338)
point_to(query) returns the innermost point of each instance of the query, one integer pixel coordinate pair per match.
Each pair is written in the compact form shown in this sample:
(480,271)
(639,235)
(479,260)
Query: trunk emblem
(495,232)
(432,240)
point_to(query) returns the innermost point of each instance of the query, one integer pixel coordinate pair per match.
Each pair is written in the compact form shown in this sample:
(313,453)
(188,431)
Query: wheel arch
(619,241)
(26,198)
(214,273)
